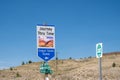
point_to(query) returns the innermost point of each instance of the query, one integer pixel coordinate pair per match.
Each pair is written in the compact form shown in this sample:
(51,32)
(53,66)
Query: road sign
(45,69)
(46,41)
(99,50)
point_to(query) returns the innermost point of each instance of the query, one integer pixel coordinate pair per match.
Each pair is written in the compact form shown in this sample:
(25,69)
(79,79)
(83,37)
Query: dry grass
(84,69)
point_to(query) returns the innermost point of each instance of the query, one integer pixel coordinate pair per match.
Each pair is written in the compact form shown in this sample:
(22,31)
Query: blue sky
(80,24)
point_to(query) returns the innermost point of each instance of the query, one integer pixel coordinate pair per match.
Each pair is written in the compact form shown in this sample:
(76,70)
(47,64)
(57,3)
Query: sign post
(46,46)
(99,52)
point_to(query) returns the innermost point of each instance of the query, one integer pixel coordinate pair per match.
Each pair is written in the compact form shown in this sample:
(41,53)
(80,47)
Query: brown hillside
(111,53)
(80,69)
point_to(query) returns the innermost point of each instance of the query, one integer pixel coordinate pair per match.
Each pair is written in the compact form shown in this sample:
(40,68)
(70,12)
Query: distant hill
(112,53)
(70,69)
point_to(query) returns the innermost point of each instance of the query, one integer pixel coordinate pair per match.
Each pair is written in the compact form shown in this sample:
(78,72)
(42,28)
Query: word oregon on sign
(46,41)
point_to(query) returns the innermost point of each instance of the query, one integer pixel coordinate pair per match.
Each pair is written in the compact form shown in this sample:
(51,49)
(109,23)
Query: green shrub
(3,76)
(90,57)
(29,61)
(18,75)
(23,63)
(113,64)
(70,58)
(11,68)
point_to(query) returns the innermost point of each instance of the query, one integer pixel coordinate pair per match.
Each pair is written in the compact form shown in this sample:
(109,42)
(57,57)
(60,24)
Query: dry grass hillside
(80,69)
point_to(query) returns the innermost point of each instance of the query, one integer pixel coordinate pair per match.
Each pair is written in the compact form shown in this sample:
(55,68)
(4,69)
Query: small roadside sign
(99,50)
(45,69)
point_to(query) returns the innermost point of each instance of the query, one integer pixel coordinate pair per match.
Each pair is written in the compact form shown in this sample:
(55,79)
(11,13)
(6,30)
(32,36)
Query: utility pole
(56,62)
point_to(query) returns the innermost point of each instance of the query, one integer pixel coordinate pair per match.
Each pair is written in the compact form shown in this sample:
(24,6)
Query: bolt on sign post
(46,41)
(99,52)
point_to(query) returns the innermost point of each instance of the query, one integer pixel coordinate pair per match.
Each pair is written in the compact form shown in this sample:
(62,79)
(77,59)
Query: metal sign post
(46,77)
(99,52)
(100,69)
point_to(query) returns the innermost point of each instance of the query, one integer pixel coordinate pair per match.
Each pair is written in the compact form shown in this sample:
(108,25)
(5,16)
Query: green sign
(45,69)
(99,50)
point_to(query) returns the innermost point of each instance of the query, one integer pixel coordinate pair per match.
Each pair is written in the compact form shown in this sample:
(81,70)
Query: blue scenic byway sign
(46,54)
